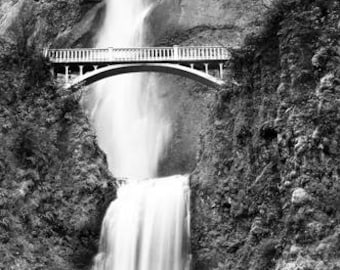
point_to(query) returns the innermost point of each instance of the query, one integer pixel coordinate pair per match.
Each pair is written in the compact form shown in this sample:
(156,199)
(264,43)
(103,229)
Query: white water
(147,226)
(131,126)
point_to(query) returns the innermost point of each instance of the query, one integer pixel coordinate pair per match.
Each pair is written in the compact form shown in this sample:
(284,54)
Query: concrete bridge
(87,66)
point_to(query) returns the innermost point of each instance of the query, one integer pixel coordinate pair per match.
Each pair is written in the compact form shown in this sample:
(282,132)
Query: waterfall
(131,126)
(147,226)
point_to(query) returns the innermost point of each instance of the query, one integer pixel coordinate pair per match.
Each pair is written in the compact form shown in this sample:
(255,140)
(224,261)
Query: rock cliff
(266,187)
(54,181)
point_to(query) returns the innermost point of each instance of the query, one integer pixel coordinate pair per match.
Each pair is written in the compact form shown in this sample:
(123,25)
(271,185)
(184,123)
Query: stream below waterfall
(147,226)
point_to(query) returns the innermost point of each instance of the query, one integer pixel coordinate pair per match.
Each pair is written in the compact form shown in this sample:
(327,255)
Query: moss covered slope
(266,189)
(54,181)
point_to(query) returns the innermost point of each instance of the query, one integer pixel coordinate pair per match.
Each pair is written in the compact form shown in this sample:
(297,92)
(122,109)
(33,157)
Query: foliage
(54,183)
(278,131)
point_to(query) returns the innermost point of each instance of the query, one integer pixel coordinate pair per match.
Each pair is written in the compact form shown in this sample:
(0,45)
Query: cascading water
(147,226)
(131,126)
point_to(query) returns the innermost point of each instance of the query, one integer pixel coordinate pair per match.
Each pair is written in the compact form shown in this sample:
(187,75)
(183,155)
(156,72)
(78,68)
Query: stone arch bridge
(86,66)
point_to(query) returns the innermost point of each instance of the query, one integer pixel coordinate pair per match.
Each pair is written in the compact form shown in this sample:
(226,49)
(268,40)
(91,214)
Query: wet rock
(287,184)
(280,86)
(294,250)
(299,196)
(315,229)
(318,59)
(321,266)
(321,248)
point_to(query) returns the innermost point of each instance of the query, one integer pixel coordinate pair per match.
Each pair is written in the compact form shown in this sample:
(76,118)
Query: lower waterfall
(147,226)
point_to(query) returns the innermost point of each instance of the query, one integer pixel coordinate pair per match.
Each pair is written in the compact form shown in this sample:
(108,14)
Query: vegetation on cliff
(54,181)
(54,24)
(266,188)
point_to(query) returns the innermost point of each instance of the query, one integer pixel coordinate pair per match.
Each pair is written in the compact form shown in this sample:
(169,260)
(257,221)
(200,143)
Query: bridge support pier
(95,67)
(81,70)
(192,66)
(206,68)
(221,70)
(67,69)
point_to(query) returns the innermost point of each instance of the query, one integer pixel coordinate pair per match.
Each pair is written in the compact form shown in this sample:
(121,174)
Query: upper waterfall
(128,114)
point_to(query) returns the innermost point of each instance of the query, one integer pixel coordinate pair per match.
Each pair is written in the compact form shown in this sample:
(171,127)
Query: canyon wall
(266,187)
(54,181)
(196,23)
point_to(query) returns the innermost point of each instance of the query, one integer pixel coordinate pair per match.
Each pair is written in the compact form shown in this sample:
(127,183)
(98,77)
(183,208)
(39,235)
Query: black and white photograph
(169,135)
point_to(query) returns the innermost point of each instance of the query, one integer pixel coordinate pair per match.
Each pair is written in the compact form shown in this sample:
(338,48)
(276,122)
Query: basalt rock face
(50,23)
(198,20)
(266,187)
(196,23)
(54,181)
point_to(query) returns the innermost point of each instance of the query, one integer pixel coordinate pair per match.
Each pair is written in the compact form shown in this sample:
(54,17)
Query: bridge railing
(147,54)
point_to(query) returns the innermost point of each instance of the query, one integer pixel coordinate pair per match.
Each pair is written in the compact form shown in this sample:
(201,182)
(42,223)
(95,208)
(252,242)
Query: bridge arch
(176,69)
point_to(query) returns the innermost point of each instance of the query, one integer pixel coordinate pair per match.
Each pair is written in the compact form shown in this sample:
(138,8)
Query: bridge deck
(174,54)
